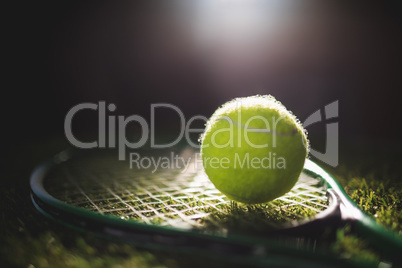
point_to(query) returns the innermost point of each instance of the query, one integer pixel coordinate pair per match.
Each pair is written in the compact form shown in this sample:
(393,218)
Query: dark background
(135,53)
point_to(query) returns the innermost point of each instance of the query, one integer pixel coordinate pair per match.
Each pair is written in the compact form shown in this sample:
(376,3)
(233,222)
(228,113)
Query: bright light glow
(235,34)
(237,19)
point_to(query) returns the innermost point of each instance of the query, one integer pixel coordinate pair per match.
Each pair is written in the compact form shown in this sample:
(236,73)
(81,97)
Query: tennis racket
(178,208)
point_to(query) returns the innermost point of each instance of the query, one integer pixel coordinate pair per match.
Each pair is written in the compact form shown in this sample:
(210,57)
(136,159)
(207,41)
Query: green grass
(348,246)
(375,185)
(372,180)
(49,249)
(381,200)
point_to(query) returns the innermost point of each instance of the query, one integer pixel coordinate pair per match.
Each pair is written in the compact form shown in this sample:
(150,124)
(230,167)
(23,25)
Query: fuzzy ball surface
(253,149)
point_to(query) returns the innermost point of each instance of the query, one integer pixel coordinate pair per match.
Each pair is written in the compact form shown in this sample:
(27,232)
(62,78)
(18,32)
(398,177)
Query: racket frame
(341,211)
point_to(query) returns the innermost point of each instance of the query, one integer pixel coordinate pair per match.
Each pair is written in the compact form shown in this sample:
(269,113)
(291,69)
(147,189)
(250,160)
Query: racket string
(173,197)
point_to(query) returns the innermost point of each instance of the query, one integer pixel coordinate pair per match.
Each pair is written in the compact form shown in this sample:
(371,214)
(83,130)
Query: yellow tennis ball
(253,149)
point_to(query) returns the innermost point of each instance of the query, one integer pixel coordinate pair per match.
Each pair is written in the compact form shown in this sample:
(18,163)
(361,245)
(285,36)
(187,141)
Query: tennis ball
(253,149)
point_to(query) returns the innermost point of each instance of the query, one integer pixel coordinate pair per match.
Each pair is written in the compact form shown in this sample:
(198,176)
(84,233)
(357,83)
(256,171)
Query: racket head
(190,204)
(183,199)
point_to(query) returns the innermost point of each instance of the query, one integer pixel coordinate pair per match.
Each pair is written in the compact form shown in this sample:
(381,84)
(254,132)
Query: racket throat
(324,225)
